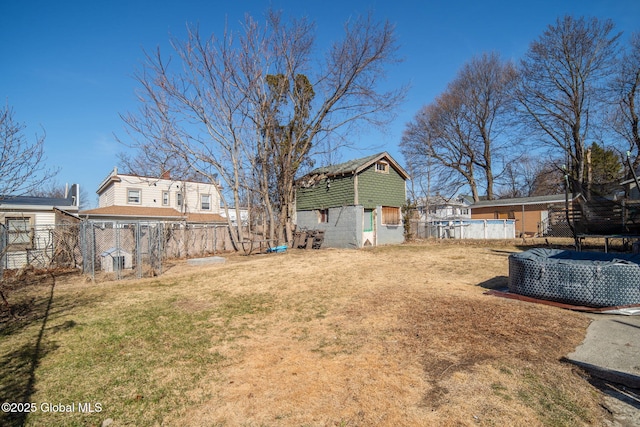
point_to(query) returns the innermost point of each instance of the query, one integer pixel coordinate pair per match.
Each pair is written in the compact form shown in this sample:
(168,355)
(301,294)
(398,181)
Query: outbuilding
(356,203)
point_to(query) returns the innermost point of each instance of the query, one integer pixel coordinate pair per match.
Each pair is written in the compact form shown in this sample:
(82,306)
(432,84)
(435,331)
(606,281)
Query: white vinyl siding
(161,193)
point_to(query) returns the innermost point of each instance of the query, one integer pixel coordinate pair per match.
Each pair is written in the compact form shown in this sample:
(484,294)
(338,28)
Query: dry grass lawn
(393,336)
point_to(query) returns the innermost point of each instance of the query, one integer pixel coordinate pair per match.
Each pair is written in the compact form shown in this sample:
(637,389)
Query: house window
(165,198)
(390,215)
(19,232)
(133,196)
(205,202)
(382,167)
(179,199)
(323,215)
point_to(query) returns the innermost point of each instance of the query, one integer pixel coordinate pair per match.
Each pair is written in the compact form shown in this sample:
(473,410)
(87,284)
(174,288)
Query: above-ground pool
(581,278)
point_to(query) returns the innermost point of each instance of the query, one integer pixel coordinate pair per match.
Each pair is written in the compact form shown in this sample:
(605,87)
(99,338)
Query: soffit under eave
(107,183)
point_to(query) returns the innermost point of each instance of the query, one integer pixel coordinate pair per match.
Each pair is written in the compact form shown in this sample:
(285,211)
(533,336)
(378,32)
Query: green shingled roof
(357,164)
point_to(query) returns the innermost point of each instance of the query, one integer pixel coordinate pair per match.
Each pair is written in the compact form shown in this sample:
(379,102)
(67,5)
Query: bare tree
(56,190)
(22,167)
(485,86)
(625,117)
(254,106)
(148,161)
(561,75)
(439,134)
(461,130)
(22,162)
(530,175)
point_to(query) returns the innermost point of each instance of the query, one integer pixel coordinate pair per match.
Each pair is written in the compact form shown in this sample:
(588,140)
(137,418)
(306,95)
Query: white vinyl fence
(465,229)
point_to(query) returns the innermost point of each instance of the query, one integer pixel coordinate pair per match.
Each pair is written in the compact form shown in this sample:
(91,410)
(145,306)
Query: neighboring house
(32,226)
(356,203)
(439,208)
(233,215)
(124,197)
(535,216)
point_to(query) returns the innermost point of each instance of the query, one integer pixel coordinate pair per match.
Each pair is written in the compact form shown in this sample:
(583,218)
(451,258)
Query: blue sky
(67,67)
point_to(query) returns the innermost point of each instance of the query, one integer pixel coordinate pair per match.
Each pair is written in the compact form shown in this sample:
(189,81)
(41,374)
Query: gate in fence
(122,248)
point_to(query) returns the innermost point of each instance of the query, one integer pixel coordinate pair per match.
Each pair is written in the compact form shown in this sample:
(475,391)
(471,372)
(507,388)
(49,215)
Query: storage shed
(355,204)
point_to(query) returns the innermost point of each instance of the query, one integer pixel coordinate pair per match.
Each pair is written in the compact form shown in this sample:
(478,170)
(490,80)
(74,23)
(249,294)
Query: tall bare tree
(462,129)
(561,77)
(485,85)
(22,162)
(625,117)
(439,140)
(234,104)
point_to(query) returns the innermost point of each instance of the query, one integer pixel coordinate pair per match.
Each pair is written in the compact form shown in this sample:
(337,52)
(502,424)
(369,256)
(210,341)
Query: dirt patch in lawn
(400,335)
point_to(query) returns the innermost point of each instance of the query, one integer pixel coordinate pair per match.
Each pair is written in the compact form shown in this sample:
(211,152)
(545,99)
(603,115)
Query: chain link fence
(41,247)
(138,249)
(109,249)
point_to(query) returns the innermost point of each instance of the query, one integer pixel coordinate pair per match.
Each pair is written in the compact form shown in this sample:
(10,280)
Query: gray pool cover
(592,279)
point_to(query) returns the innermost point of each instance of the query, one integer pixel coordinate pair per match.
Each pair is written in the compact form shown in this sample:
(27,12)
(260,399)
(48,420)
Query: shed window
(133,196)
(323,215)
(390,215)
(382,167)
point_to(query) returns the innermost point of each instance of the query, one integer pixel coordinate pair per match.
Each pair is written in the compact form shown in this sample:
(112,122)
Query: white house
(438,208)
(233,215)
(31,228)
(123,197)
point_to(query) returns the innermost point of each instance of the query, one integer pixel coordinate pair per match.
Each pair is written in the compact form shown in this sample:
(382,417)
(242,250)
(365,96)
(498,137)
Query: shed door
(368,228)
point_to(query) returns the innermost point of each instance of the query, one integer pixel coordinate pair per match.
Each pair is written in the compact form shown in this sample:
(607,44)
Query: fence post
(93,252)
(3,246)
(138,249)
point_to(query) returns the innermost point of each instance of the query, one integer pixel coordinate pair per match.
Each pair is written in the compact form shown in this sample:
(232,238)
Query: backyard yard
(393,336)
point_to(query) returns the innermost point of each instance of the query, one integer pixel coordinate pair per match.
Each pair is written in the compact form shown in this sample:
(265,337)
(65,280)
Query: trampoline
(591,279)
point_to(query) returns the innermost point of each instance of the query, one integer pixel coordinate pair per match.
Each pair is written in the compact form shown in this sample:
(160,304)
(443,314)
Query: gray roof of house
(36,201)
(556,198)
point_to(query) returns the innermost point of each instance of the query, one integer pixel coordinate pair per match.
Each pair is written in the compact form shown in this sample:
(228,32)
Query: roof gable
(358,165)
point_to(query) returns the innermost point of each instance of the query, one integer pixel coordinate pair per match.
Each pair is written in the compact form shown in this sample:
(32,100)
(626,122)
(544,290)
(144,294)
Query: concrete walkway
(611,354)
